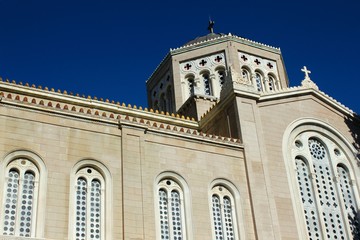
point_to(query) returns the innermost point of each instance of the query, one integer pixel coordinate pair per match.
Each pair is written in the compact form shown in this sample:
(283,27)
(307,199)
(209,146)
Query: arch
(246,73)
(271,82)
(220,70)
(259,78)
(169,98)
(26,162)
(190,84)
(207,82)
(239,223)
(163,102)
(156,105)
(322,148)
(181,186)
(189,75)
(100,172)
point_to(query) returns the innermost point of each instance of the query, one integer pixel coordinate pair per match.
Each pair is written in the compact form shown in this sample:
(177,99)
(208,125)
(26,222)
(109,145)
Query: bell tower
(196,76)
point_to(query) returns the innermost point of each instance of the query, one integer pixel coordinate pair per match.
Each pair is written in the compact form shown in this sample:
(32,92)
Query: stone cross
(306,71)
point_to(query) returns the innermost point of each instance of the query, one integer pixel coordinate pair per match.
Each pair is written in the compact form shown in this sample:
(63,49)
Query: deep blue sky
(108,49)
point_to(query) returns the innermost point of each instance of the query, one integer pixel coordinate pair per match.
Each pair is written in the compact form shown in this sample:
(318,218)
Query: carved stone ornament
(237,78)
(308,83)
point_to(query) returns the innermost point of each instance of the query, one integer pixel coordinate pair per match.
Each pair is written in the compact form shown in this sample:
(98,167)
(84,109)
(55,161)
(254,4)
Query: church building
(226,149)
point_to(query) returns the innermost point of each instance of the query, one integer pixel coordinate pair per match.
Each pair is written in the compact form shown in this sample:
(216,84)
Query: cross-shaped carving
(187,66)
(244,58)
(257,61)
(270,65)
(218,58)
(306,71)
(203,62)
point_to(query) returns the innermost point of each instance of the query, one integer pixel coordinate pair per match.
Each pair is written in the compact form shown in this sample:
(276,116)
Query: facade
(225,150)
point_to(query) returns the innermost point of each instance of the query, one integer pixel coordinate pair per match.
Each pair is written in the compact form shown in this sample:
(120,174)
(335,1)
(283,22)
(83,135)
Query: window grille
(323,196)
(258,80)
(207,84)
(223,214)
(171,210)
(89,199)
(20,199)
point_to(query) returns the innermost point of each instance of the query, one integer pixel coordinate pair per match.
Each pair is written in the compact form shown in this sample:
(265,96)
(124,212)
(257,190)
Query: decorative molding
(308,83)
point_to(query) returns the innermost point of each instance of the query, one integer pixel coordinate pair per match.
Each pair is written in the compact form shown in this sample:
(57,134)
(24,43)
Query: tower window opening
(191,86)
(258,79)
(207,84)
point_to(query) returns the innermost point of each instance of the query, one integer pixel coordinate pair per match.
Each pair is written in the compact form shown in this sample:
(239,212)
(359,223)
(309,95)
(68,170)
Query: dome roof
(205,38)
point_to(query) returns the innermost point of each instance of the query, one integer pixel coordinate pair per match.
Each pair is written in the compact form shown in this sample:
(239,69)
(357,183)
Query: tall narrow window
(163,103)
(89,202)
(245,74)
(171,210)
(323,198)
(223,213)
(221,77)
(156,105)
(190,82)
(207,84)
(258,81)
(308,199)
(271,83)
(20,198)
(349,201)
(169,99)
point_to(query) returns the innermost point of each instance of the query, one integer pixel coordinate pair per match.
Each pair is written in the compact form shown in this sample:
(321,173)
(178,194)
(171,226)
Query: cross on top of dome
(211,26)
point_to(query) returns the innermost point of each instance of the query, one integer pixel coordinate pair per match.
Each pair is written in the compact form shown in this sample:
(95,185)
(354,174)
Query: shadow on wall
(354,224)
(353,124)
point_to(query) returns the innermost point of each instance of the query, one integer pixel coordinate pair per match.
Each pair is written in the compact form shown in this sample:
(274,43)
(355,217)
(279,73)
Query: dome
(205,38)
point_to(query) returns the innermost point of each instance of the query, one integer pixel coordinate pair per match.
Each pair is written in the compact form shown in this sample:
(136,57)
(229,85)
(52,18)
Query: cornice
(82,107)
(90,109)
(179,132)
(301,90)
(224,38)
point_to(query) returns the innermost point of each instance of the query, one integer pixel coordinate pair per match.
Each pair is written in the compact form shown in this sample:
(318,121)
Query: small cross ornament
(306,71)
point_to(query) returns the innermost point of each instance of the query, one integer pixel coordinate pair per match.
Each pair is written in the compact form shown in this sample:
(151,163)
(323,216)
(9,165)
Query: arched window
(271,83)
(223,213)
(90,204)
(258,81)
(329,205)
(245,74)
(169,99)
(207,84)
(348,196)
(190,82)
(221,77)
(21,194)
(156,105)
(171,210)
(163,102)
(24,176)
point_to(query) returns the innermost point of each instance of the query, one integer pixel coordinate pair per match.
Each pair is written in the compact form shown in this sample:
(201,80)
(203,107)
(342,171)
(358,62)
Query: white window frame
(230,191)
(89,174)
(33,163)
(333,139)
(205,75)
(260,87)
(222,192)
(169,185)
(182,187)
(102,174)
